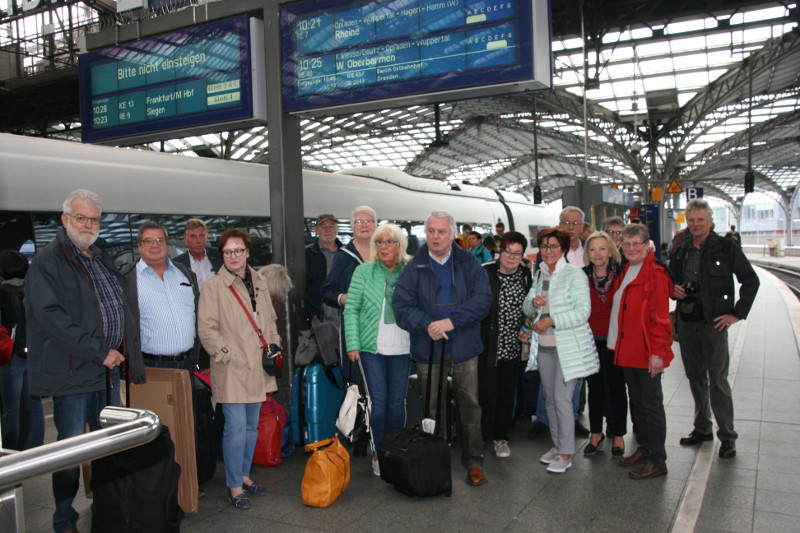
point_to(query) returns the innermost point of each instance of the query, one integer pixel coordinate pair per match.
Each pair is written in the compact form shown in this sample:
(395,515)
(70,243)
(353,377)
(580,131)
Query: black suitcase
(136,491)
(415,462)
(204,440)
(415,408)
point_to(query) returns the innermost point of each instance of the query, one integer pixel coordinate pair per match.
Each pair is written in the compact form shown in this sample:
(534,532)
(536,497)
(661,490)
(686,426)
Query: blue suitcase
(317,394)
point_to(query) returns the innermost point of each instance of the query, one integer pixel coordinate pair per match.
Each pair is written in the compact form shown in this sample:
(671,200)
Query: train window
(16,228)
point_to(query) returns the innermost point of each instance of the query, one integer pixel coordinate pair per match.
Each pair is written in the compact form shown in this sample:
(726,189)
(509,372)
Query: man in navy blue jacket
(442,296)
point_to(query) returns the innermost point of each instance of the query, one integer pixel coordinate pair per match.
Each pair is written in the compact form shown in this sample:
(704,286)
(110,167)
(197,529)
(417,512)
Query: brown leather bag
(327,473)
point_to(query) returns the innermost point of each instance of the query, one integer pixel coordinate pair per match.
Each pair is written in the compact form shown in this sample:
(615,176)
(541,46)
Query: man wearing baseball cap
(319,257)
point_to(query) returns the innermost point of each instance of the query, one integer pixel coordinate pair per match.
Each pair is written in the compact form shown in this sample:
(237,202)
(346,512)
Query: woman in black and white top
(499,363)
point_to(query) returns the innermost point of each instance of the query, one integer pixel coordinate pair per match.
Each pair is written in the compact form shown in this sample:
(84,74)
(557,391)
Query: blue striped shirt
(166,310)
(108,291)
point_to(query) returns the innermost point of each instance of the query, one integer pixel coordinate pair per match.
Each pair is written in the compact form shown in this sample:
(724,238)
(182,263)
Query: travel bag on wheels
(415,462)
(136,490)
(317,393)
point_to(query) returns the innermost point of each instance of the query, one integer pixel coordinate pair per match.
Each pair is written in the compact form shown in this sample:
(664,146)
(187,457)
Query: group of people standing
(584,311)
(595,309)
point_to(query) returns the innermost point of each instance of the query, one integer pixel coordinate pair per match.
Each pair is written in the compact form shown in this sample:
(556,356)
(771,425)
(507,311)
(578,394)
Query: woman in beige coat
(238,380)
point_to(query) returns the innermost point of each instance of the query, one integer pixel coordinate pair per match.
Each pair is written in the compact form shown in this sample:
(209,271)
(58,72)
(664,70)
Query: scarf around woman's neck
(390,278)
(602,285)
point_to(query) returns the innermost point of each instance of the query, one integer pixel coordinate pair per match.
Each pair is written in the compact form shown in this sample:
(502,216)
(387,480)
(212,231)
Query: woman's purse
(327,473)
(271,358)
(353,420)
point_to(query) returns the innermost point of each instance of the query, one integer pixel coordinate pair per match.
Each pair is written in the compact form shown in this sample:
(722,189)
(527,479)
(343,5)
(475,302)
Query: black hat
(323,218)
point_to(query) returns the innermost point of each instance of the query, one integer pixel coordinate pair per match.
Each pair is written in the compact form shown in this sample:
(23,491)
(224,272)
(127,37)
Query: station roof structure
(699,91)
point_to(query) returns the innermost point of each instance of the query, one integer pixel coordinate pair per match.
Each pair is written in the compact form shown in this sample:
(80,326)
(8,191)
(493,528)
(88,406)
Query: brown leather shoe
(475,476)
(647,471)
(636,459)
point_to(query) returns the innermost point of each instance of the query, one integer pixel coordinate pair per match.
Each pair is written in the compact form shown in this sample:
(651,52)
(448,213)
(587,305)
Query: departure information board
(349,55)
(196,80)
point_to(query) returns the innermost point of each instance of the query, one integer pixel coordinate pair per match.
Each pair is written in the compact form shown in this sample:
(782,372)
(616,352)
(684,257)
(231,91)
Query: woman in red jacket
(603,269)
(641,335)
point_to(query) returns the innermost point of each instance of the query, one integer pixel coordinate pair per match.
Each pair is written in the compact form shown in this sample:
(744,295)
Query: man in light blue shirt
(166,297)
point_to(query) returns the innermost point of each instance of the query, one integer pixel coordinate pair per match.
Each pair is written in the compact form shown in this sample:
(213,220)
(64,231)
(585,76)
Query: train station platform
(758,491)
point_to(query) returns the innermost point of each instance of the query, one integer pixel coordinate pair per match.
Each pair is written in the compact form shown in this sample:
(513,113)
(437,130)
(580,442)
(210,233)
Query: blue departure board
(344,55)
(197,80)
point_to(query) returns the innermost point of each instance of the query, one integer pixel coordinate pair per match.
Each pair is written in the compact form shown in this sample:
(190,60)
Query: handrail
(123,428)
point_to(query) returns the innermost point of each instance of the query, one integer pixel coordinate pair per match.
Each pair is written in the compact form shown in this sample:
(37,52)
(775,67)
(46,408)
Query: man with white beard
(80,330)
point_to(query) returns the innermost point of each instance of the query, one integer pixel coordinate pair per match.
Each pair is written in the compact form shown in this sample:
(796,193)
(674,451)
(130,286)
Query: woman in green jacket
(372,335)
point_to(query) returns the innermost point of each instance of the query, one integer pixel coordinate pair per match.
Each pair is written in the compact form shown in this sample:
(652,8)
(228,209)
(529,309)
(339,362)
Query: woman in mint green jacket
(562,345)
(372,335)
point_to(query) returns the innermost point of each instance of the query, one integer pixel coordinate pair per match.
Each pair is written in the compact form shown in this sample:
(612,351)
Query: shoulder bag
(271,358)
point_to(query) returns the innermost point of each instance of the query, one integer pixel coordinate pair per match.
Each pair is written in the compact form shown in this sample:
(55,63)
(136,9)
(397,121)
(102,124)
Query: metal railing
(123,428)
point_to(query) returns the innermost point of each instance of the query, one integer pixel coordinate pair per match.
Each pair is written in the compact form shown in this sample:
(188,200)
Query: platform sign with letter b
(693,193)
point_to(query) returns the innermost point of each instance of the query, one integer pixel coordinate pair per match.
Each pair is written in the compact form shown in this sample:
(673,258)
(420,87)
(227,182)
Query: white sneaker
(376,468)
(559,465)
(549,457)
(501,448)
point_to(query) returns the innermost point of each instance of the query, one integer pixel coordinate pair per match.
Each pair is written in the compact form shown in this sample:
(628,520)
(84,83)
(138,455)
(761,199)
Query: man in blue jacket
(443,295)
(80,329)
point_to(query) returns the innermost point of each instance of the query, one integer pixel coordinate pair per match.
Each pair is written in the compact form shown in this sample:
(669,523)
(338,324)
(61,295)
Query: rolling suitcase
(415,462)
(415,409)
(317,394)
(136,490)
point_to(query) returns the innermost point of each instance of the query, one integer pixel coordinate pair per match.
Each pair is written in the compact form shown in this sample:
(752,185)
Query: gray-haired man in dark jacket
(80,329)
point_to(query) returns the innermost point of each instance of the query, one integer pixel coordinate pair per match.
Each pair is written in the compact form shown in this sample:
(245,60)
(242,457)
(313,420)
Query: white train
(36,174)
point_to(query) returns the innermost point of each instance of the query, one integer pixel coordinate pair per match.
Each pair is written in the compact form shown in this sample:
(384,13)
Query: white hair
(572,209)
(81,194)
(443,213)
(396,234)
(362,209)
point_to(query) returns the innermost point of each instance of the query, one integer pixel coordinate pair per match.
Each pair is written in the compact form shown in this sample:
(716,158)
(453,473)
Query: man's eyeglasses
(81,219)
(550,247)
(632,244)
(150,242)
(509,253)
(386,243)
(362,222)
(238,252)
(568,223)
(614,232)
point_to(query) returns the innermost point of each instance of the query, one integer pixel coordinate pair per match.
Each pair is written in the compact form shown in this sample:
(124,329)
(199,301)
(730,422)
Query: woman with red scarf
(603,268)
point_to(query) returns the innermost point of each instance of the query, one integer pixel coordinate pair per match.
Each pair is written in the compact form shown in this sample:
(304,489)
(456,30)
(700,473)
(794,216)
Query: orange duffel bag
(327,473)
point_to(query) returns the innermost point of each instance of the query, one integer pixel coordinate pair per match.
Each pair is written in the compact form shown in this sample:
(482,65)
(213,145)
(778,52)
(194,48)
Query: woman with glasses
(334,291)
(228,301)
(603,268)
(640,335)
(373,336)
(499,363)
(562,346)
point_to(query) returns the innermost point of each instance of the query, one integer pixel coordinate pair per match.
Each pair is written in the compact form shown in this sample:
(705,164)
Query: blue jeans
(14,392)
(541,412)
(387,382)
(239,440)
(71,413)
